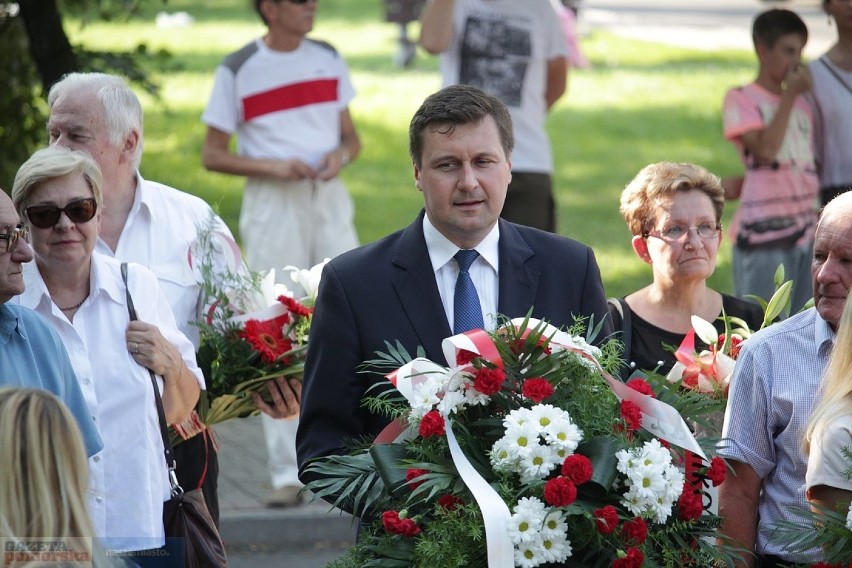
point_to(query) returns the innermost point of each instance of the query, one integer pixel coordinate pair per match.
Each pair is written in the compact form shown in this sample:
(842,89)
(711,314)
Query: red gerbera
(488,381)
(296,306)
(537,389)
(577,468)
(267,338)
(432,424)
(606,519)
(560,492)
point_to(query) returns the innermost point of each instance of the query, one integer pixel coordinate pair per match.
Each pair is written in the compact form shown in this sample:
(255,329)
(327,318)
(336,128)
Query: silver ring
(135,347)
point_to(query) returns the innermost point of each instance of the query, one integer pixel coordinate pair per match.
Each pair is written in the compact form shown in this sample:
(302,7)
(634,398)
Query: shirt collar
(441,249)
(823,335)
(8,323)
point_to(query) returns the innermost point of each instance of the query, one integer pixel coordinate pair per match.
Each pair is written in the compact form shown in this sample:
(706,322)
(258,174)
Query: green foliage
(22,114)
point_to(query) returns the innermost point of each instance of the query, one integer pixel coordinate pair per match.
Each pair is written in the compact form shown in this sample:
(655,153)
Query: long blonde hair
(836,388)
(45,473)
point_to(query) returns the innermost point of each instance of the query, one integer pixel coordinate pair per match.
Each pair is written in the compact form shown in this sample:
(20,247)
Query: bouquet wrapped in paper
(254,331)
(526,452)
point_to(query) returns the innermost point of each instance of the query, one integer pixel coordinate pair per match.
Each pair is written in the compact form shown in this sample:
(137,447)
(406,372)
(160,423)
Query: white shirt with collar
(484,271)
(128,478)
(160,230)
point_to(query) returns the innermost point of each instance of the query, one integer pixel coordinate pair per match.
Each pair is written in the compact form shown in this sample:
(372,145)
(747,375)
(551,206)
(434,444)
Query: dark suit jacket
(386,291)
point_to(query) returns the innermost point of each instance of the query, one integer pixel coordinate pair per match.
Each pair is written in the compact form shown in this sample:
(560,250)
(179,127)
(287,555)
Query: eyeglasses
(299,1)
(46,216)
(675,233)
(11,238)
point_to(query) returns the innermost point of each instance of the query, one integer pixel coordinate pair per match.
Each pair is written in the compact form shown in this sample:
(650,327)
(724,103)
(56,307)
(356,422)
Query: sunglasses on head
(299,1)
(46,216)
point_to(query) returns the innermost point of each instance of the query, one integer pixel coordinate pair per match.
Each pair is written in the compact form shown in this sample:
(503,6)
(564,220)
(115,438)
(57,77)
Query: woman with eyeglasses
(674,212)
(57,193)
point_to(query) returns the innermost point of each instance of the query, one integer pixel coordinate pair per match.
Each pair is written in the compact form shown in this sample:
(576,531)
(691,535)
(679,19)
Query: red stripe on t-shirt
(290,96)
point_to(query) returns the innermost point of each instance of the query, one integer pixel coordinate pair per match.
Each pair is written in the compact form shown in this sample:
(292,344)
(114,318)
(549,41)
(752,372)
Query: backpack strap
(620,313)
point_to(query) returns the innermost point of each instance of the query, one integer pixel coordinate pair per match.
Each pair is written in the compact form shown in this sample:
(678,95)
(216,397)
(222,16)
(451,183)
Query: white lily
(308,279)
(260,303)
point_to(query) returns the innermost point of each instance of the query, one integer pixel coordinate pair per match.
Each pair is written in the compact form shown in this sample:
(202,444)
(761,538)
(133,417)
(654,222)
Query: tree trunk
(49,45)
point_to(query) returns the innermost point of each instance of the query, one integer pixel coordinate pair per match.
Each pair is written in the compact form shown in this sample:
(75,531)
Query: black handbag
(192,539)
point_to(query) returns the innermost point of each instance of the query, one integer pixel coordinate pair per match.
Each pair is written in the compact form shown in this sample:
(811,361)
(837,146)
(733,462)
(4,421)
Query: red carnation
(394,523)
(717,471)
(634,531)
(640,385)
(537,389)
(464,357)
(488,381)
(560,492)
(577,468)
(267,338)
(450,502)
(632,415)
(606,519)
(412,474)
(691,504)
(633,559)
(296,306)
(432,424)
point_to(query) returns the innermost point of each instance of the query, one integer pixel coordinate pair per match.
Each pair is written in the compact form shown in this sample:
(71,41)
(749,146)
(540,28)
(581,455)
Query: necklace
(74,307)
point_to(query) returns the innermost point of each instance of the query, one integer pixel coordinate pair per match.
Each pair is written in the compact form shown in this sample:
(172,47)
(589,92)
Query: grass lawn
(639,103)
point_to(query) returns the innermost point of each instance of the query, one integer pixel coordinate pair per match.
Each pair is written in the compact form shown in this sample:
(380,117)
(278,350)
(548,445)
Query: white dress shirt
(484,271)
(159,233)
(128,479)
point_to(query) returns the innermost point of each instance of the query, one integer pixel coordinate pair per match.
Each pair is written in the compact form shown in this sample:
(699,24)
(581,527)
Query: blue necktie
(467,312)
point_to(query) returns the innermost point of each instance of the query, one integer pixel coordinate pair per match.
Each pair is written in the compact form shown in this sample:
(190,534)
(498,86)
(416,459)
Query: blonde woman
(82,295)
(44,481)
(829,429)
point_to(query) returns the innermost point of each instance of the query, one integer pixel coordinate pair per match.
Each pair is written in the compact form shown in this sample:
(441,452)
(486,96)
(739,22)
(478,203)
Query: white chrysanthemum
(537,463)
(545,414)
(517,417)
(523,436)
(451,402)
(654,483)
(849,518)
(555,547)
(425,397)
(502,457)
(525,524)
(554,524)
(530,554)
(563,435)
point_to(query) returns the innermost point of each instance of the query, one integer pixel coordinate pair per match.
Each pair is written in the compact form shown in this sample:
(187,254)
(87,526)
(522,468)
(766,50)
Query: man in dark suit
(401,288)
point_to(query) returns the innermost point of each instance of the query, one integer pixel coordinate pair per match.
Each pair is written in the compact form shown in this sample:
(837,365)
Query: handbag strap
(168,452)
(835,74)
(622,321)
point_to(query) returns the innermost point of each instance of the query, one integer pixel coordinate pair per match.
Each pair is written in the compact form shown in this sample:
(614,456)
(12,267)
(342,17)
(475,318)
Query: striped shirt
(775,384)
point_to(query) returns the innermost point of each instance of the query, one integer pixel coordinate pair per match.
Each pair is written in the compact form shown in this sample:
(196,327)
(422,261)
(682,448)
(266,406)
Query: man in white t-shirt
(286,99)
(515,51)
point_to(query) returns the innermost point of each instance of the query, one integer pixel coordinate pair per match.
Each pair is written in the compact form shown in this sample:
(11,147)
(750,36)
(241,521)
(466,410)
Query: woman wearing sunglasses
(81,293)
(674,212)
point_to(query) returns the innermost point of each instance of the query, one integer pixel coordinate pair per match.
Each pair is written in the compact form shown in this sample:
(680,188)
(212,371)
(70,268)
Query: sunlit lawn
(639,103)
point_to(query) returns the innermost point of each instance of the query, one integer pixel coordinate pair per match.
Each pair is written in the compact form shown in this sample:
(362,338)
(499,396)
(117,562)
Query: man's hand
(286,395)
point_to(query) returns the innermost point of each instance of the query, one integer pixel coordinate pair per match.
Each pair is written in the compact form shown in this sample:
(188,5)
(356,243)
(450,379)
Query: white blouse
(128,479)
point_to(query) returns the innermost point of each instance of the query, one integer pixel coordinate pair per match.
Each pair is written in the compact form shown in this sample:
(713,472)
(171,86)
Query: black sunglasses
(46,216)
(299,1)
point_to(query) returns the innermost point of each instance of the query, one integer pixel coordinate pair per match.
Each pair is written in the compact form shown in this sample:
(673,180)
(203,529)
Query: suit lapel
(414,282)
(518,277)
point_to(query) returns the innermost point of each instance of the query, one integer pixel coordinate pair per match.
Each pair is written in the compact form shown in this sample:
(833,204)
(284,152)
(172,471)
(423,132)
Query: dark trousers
(198,467)
(769,561)
(530,202)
